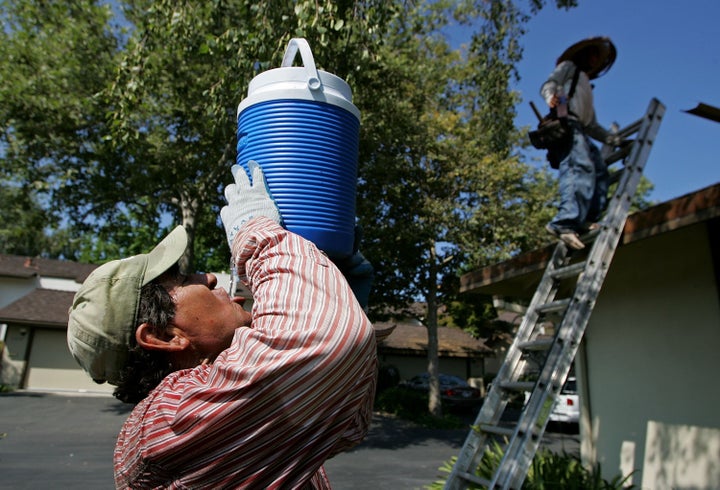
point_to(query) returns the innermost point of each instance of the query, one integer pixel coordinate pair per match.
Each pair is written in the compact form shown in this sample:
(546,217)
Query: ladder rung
(494,429)
(591,235)
(475,479)
(618,154)
(554,306)
(568,271)
(536,345)
(631,128)
(518,385)
(615,176)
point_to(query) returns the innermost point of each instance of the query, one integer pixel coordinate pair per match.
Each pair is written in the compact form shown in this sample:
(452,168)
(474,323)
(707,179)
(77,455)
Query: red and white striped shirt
(290,392)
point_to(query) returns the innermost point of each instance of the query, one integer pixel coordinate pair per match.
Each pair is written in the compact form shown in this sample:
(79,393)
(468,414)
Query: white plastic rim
(301,83)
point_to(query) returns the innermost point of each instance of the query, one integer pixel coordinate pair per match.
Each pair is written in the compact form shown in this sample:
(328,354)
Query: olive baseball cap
(103,316)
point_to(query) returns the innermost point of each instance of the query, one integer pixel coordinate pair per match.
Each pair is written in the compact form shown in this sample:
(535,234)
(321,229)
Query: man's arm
(303,302)
(310,337)
(560,76)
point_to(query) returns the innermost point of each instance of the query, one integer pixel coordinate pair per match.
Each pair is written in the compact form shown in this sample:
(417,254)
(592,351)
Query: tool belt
(552,132)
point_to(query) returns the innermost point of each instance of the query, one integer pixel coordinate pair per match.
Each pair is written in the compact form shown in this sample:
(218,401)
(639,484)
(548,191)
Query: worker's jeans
(583,183)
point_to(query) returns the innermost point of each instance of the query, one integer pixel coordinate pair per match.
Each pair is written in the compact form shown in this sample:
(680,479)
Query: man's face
(206,316)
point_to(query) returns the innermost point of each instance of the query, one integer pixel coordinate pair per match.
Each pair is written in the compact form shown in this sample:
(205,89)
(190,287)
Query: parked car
(454,390)
(567,407)
(566,410)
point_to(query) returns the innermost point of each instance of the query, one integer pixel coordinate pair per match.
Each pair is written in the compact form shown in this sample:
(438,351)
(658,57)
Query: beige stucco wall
(651,364)
(409,366)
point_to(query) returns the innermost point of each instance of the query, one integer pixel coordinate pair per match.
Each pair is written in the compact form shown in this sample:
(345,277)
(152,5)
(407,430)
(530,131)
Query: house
(648,364)
(35,294)
(459,353)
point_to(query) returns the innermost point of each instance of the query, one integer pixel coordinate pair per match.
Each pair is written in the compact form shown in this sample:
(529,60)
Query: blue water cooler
(300,125)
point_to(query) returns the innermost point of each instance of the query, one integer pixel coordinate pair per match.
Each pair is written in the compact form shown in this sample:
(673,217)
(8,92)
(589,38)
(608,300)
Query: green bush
(561,470)
(412,405)
(549,471)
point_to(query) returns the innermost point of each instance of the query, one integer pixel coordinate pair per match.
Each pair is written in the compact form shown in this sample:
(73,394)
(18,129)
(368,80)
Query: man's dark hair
(145,369)
(582,58)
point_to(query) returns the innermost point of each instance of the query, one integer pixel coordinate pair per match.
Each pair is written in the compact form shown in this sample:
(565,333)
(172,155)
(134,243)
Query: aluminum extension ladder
(580,275)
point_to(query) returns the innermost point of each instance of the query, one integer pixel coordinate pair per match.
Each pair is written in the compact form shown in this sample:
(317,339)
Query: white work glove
(613,140)
(247,201)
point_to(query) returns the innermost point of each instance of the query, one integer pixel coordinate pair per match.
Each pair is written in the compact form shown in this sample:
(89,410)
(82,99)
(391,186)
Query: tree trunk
(434,400)
(188,206)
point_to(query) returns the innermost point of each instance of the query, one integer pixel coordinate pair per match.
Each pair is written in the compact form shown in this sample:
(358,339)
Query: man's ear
(148,339)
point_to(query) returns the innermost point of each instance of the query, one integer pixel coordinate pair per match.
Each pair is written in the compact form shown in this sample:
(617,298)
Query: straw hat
(580,54)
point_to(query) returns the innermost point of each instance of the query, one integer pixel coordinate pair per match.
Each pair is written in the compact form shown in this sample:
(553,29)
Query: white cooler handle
(299,43)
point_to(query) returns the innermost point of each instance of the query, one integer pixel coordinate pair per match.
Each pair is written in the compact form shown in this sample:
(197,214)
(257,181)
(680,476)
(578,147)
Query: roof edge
(694,207)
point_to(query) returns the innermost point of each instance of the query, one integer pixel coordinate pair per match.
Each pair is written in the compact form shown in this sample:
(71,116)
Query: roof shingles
(23,266)
(46,307)
(452,342)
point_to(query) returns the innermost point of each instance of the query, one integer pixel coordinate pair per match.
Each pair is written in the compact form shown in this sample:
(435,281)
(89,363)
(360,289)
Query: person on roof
(583,176)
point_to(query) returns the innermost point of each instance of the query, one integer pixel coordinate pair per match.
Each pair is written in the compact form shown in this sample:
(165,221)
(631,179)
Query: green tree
(55,59)
(441,186)
(24,222)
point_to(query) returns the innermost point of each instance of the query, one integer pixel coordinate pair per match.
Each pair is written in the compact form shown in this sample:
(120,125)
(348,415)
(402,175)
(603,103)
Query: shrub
(412,405)
(549,471)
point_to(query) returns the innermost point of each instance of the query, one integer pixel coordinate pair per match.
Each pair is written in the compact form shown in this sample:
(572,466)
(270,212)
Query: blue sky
(667,50)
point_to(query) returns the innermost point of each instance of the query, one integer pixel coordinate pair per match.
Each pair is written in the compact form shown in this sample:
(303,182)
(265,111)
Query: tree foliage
(23,222)
(53,73)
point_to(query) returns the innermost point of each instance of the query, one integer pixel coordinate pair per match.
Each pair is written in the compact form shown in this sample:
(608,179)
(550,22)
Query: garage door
(51,367)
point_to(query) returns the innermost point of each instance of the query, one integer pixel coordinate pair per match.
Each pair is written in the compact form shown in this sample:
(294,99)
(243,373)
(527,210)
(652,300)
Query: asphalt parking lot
(50,440)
